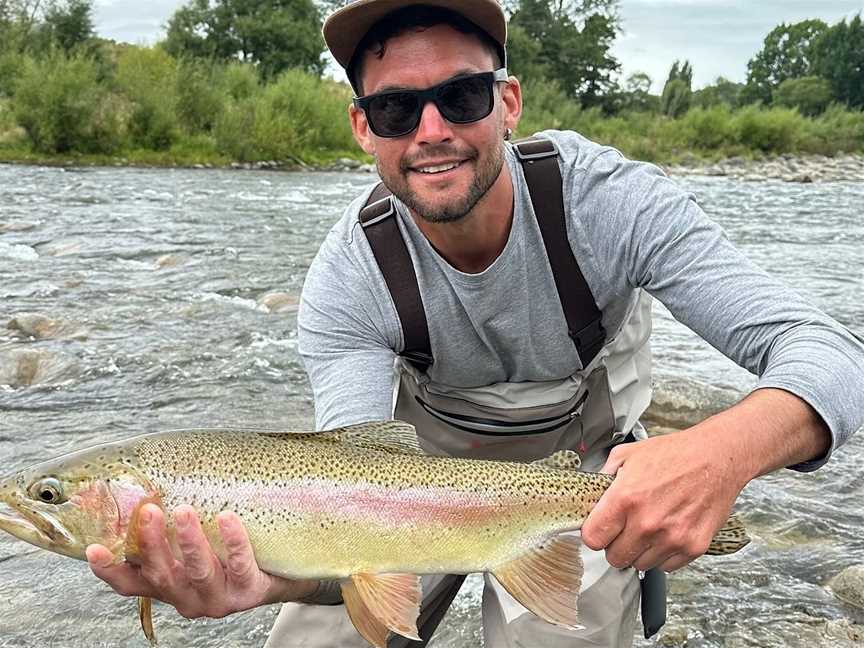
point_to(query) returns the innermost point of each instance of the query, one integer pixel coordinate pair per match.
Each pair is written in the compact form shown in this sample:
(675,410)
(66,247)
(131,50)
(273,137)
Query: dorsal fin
(561,460)
(395,437)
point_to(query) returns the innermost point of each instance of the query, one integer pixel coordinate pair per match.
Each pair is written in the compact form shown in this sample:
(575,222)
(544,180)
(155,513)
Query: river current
(156,278)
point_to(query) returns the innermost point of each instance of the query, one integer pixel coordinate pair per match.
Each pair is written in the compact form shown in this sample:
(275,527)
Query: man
(490,363)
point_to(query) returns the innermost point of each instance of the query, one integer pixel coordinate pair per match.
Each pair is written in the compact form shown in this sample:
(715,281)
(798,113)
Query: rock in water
(848,586)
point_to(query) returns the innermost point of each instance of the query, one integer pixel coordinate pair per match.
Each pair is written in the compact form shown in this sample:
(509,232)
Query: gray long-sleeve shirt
(630,228)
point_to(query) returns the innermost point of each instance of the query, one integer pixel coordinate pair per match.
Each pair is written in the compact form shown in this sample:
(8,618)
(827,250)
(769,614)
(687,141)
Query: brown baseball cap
(345,28)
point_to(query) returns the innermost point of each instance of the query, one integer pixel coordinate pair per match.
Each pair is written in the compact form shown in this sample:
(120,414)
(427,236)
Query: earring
(507,135)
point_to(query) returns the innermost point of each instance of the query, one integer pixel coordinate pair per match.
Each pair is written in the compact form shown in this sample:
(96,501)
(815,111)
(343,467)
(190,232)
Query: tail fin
(731,537)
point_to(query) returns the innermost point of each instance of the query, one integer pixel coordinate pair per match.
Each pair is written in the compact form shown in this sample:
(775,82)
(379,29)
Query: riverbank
(786,167)
(847,167)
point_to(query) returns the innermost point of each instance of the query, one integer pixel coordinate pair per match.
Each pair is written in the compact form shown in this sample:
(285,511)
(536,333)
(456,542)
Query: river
(157,275)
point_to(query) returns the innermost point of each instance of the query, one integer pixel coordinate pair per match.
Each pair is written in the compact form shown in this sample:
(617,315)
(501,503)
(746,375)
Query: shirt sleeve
(644,223)
(345,346)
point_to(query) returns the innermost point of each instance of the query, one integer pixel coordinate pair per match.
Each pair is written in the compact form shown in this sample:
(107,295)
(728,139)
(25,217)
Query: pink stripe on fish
(361,501)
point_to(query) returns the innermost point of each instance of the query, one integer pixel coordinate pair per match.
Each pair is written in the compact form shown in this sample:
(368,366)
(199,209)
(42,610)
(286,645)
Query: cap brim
(344,29)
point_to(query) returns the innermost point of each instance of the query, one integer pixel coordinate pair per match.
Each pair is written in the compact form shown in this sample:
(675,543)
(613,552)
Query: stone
(848,586)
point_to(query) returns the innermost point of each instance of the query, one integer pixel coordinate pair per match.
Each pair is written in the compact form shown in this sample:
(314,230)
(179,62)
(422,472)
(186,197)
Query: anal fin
(546,580)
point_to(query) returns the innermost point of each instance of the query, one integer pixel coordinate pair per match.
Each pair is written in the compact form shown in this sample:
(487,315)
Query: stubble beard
(460,206)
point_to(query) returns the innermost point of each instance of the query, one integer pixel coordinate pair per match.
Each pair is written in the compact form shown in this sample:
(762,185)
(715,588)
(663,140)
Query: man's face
(440,170)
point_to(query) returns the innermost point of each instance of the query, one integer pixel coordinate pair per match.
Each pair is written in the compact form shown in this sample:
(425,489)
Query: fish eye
(48,490)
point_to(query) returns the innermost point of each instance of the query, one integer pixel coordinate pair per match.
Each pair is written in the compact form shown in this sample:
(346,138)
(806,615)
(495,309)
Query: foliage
(677,93)
(70,24)
(768,131)
(60,104)
(811,95)
(575,40)
(787,53)
(296,116)
(272,34)
(676,97)
(148,78)
(200,99)
(839,55)
(722,92)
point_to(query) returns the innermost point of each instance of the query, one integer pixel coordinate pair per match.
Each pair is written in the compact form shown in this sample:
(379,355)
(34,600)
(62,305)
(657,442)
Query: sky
(718,37)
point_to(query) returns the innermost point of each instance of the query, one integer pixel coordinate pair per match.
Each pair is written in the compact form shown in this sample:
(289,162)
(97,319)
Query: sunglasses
(462,100)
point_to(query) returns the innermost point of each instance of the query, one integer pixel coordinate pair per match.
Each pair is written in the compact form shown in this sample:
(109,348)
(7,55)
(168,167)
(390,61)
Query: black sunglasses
(461,100)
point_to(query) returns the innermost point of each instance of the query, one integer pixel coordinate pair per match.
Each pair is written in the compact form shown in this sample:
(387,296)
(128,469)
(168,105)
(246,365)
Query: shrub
(148,78)
(199,100)
(709,128)
(810,95)
(770,131)
(60,104)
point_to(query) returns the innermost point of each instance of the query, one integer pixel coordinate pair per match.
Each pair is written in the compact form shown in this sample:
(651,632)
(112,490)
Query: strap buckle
(535,149)
(590,337)
(419,359)
(376,212)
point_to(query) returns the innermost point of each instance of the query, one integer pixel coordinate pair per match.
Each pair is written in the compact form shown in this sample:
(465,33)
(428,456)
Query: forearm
(771,429)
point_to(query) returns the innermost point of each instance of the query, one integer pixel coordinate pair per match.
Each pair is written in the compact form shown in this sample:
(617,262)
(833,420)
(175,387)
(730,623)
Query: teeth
(439,168)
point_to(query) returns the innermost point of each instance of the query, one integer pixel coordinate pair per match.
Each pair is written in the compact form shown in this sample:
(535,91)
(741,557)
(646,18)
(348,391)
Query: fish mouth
(36,527)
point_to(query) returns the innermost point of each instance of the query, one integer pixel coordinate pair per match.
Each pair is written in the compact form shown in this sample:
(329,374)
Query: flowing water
(155,277)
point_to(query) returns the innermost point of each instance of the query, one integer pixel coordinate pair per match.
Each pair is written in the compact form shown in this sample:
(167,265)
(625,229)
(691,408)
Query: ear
(360,128)
(511,100)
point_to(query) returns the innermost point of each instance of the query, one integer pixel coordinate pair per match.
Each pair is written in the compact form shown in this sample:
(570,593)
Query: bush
(709,128)
(297,116)
(148,78)
(11,64)
(546,106)
(60,104)
(810,95)
(770,131)
(199,100)
(237,80)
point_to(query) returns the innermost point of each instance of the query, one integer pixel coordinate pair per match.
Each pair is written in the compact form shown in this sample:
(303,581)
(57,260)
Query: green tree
(839,58)
(721,92)
(787,53)
(273,34)
(69,24)
(811,95)
(575,39)
(636,94)
(677,92)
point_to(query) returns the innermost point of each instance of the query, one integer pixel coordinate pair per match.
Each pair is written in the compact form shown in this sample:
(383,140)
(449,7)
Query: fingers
(125,579)
(201,567)
(240,565)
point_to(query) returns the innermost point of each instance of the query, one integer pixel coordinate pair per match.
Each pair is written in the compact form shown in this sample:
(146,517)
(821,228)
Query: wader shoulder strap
(378,219)
(539,159)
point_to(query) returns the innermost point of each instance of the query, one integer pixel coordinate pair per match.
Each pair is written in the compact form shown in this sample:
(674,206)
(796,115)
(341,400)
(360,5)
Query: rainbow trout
(362,504)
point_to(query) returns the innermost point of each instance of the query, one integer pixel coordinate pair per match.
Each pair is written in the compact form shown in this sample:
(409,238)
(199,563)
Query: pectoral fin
(391,600)
(369,627)
(145,614)
(546,580)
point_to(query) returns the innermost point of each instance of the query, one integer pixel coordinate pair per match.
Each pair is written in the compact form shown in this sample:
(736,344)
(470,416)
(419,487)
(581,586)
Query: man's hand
(197,583)
(672,493)
(669,497)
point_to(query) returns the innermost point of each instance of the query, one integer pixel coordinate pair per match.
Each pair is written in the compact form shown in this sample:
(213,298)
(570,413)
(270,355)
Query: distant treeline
(235,81)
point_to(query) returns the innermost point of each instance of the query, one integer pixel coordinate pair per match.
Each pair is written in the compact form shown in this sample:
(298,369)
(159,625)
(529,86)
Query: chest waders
(517,421)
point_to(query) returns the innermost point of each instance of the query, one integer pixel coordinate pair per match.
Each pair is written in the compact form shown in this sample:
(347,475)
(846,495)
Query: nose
(433,128)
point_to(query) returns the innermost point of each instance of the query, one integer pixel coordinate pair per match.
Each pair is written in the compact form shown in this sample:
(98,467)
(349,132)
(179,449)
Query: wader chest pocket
(497,427)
